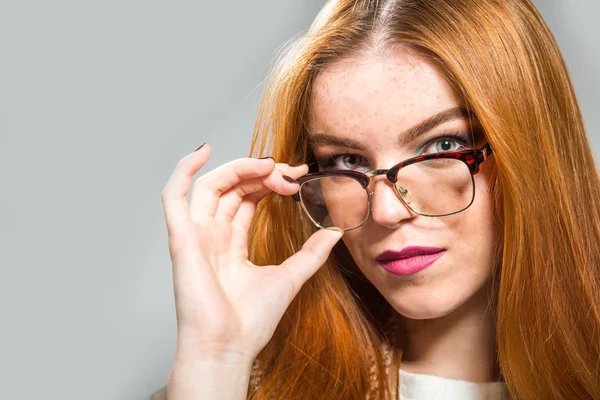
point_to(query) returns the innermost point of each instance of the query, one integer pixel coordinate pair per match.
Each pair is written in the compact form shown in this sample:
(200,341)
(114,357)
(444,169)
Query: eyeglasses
(432,185)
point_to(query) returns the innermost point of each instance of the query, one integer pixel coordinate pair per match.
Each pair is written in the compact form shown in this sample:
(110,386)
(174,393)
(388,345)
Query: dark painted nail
(264,158)
(199,147)
(290,179)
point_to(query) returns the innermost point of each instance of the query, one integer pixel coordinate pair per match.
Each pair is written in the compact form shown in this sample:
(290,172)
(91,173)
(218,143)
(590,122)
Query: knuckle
(197,182)
(182,234)
(290,287)
(200,186)
(242,191)
(313,257)
(237,163)
(180,163)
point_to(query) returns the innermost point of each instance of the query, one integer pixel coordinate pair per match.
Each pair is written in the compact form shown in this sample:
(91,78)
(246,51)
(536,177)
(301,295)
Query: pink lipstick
(410,260)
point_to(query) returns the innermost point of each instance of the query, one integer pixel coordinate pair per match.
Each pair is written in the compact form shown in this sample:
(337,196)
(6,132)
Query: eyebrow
(451,114)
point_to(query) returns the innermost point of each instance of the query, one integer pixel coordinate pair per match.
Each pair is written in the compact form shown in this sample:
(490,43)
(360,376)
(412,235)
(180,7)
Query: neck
(460,345)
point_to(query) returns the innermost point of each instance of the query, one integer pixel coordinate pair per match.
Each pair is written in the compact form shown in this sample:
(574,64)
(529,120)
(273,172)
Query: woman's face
(371,101)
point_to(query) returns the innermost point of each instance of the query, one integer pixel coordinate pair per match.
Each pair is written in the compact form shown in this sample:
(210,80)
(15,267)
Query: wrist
(223,376)
(213,357)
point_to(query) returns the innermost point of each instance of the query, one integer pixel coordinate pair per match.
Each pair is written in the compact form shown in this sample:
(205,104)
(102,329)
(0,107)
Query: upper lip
(410,251)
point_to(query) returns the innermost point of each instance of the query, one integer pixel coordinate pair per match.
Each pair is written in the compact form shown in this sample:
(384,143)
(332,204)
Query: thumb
(312,256)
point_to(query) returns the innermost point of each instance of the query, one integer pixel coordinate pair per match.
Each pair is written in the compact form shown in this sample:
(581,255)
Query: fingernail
(336,229)
(199,147)
(263,158)
(290,179)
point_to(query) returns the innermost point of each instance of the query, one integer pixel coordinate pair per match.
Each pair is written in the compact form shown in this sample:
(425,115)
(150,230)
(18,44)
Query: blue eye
(343,162)
(445,144)
(351,161)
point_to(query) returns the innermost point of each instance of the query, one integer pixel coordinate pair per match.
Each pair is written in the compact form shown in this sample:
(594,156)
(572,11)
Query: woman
(472,268)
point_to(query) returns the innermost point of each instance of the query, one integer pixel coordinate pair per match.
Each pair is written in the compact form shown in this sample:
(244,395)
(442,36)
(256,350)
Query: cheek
(357,243)
(470,236)
(473,228)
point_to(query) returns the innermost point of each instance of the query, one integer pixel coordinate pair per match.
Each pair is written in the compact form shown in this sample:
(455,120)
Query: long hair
(501,57)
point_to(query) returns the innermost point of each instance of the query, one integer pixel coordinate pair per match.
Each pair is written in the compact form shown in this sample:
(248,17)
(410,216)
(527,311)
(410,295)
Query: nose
(386,207)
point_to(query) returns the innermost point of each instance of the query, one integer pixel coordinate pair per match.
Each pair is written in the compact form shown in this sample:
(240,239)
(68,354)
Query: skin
(371,99)
(217,289)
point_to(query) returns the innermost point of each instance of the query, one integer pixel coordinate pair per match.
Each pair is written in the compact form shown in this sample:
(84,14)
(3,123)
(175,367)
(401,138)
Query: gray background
(98,102)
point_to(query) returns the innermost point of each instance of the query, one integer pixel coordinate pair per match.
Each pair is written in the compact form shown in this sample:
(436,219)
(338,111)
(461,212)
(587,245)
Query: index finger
(209,188)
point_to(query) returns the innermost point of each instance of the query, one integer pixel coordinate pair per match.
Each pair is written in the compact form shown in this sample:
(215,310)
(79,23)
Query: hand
(227,308)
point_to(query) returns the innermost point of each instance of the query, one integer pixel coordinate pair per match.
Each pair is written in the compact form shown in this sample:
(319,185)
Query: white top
(430,387)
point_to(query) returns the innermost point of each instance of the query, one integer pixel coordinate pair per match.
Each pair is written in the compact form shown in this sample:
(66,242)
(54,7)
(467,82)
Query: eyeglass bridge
(402,191)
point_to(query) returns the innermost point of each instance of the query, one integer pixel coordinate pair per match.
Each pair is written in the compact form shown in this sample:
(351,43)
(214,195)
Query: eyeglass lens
(432,187)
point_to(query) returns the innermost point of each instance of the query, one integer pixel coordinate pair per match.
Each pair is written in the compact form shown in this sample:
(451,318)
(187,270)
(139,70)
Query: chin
(418,304)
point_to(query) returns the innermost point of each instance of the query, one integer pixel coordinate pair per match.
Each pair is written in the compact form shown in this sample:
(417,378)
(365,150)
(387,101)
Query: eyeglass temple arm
(487,150)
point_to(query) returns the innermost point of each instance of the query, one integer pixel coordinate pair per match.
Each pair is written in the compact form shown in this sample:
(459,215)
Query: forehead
(375,93)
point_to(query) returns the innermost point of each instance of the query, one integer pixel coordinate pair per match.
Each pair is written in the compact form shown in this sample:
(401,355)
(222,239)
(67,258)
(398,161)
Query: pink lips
(410,260)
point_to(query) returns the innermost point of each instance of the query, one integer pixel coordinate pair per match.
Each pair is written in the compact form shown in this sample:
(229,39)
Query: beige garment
(424,387)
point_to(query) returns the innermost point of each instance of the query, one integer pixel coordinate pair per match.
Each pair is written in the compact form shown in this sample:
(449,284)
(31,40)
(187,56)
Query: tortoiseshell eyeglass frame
(472,158)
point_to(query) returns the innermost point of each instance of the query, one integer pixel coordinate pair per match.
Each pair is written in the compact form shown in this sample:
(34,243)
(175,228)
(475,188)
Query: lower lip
(411,265)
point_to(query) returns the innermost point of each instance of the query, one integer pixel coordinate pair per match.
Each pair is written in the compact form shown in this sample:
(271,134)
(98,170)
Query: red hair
(501,57)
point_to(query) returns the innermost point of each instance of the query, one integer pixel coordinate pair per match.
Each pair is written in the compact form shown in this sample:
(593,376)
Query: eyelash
(328,162)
